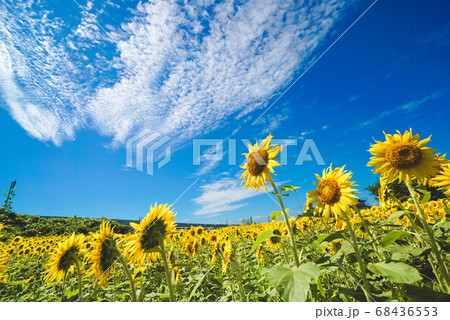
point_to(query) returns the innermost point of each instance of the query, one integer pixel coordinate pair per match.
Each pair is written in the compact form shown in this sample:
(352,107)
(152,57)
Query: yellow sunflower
(439,164)
(144,243)
(275,241)
(442,181)
(226,256)
(402,156)
(63,258)
(260,163)
(104,255)
(1,226)
(334,193)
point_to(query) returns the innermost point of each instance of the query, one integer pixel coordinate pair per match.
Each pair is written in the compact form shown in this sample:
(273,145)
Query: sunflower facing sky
(260,163)
(334,193)
(145,241)
(403,157)
(63,258)
(104,255)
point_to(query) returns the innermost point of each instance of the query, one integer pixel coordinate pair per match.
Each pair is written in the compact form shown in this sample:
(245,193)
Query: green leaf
(421,251)
(393,216)
(426,197)
(288,188)
(397,272)
(334,236)
(198,284)
(263,236)
(392,236)
(293,284)
(275,215)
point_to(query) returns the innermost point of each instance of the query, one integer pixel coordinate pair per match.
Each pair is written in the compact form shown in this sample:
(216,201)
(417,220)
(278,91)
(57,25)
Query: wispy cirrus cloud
(407,107)
(222,195)
(225,194)
(180,70)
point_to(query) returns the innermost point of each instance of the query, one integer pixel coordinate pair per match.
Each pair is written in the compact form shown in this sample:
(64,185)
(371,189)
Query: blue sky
(78,79)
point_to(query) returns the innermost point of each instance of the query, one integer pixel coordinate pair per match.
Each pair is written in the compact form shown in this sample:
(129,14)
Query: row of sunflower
(255,262)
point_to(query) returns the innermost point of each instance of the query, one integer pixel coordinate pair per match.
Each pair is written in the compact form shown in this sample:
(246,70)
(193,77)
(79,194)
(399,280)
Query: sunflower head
(334,192)
(104,255)
(274,242)
(63,258)
(442,180)
(403,156)
(260,163)
(148,234)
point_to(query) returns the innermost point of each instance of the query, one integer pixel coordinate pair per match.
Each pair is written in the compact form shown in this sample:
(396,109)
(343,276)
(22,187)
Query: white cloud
(223,195)
(407,107)
(271,122)
(179,70)
(227,194)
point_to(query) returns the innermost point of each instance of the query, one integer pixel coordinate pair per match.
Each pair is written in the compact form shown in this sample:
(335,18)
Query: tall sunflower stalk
(335,195)
(63,258)
(258,169)
(148,240)
(441,264)
(406,157)
(104,257)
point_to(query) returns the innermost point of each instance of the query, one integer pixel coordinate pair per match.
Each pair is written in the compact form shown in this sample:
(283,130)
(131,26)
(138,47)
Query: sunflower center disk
(404,156)
(329,191)
(257,161)
(276,240)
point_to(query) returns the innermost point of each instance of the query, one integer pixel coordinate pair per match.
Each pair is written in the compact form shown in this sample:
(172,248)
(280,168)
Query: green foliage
(32,226)
(293,283)
(400,191)
(7,206)
(397,272)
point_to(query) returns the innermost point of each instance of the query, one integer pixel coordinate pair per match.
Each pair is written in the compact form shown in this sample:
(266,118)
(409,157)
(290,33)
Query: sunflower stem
(369,232)
(359,258)
(63,288)
(166,268)
(286,256)
(239,276)
(286,220)
(129,275)
(114,284)
(441,264)
(80,280)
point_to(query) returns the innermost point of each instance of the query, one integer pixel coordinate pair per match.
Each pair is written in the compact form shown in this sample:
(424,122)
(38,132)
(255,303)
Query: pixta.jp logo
(152,148)
(143,148)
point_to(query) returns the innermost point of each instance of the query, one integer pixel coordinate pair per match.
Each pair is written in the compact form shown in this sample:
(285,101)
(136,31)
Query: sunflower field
(334,251)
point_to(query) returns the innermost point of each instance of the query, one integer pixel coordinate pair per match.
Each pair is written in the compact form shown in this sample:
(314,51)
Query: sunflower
(259,252)
(260,163)
(334,193)
(226,256)
(144,243)
(275,241)
(442,181)
(139,272)
(1,226)
(63,258)
(402,156)
(104,255)
(191,248)
(439,163)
